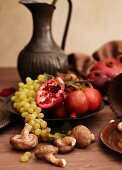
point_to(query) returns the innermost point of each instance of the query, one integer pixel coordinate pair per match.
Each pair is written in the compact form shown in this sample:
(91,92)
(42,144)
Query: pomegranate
(76,102)
(51,93)
(59,112)
(100,81)
(94,99)
(110,66)
(103,72)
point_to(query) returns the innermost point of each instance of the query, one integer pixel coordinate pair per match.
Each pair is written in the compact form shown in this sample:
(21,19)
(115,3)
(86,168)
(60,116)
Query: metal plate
(111,137)
(5,116)
(9,107)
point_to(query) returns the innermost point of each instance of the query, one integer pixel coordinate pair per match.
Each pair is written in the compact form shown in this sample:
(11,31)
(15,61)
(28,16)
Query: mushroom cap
(24,144)
(82,135)
(66,144)
(44,150)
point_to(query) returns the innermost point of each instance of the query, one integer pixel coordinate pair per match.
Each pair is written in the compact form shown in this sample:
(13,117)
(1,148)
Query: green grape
(37,132)
(13,98)
(36,86)
(31,87)
(42,78)
(22,96)
(15,105)
(33,105)
(43,124)
(28,154)
(34,113)
(26,91)
(22,103)
(32,117)
(36,126)
(35,81)
(38,109)
(22,109)
(18,105)
(43,133)
(30,99)
(37,121)
(31,122)
(24,114)
(24,158)
(29,81)
(48,130)
(21,85)
(40,115)
(30,110)
(17,94)
(21,89)
(25,103)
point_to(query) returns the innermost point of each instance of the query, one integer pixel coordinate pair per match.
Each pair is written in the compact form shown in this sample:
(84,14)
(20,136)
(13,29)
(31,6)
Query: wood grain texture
(94,157)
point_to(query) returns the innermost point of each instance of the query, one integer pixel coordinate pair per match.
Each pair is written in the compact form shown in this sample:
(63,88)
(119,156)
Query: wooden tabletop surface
(95,157)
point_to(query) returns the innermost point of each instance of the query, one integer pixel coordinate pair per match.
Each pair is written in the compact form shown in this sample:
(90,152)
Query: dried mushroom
(82,135)
(47,152)
(65,145)
(25,140)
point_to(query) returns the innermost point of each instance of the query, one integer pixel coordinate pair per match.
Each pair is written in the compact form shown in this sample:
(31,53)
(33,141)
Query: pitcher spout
(27,1)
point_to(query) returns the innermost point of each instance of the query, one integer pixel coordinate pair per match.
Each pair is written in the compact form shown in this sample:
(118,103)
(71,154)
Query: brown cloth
(110,49)
(81,63)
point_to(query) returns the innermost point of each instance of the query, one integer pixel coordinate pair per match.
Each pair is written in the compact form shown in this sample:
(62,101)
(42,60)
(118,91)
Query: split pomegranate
(51,93)
(94,99)
(76,102)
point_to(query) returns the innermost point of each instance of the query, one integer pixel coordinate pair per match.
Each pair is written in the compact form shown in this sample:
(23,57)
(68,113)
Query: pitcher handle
(67,23)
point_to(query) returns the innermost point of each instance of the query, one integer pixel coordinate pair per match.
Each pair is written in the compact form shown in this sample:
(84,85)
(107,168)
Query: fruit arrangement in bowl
(63,97)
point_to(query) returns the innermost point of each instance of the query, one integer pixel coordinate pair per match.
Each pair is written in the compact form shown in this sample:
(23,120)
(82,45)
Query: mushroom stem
(58,162)
(92,137)
(25,132)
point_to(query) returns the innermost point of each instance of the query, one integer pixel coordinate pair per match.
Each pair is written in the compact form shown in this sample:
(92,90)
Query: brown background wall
(93,23)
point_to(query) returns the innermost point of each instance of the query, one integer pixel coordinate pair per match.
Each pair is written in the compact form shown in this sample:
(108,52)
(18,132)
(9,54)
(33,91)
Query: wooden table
(94,157)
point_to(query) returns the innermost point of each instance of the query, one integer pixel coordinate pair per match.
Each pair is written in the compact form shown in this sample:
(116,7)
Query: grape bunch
(24,102)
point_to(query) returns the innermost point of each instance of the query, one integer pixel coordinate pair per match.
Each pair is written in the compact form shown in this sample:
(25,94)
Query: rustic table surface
(94,157)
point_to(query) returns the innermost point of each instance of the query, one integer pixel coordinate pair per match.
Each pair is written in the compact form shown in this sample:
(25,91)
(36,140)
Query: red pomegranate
(76,102)
(94,98)
(110,66)
(59,112)
(103,72)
